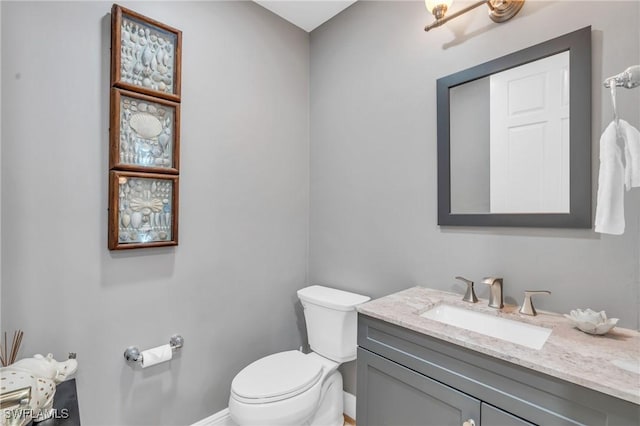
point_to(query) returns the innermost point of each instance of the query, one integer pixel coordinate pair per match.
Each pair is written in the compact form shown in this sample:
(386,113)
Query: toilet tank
(331,320)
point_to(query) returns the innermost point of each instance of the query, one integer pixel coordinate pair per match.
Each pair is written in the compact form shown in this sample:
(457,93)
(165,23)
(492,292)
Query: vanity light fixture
(499,10)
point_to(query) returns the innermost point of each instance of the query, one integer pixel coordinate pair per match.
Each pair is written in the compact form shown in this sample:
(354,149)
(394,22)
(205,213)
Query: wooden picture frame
(146,55)
(143,210)
(144,133)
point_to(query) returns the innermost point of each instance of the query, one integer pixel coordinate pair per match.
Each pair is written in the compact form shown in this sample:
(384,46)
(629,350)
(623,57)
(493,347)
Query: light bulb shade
(433,4)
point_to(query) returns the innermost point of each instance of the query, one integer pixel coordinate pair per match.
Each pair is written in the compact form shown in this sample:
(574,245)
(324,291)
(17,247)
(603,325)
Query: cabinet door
(492,416)
(392,395)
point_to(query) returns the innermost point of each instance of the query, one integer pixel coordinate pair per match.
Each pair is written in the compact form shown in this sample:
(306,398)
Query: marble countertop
(609,364)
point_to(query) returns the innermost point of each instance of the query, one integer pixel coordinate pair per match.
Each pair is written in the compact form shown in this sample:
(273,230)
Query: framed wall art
(144,133)
(144,139)
(146,55)
(143,210)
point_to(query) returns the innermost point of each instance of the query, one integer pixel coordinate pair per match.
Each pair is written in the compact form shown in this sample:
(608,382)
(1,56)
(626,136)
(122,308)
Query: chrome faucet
(495,291)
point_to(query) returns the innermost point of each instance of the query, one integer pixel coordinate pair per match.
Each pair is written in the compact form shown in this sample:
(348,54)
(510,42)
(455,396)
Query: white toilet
(296,389)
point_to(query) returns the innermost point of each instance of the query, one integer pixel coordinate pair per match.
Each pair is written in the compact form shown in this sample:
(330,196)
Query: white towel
(610,204)
(631,137)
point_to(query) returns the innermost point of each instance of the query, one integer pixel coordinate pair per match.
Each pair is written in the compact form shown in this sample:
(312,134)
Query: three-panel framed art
(144,135)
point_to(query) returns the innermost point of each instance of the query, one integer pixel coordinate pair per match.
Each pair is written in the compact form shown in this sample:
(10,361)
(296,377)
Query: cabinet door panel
(492,416)
(397,396)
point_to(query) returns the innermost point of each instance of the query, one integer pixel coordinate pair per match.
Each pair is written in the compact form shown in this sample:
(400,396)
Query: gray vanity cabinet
(407,378)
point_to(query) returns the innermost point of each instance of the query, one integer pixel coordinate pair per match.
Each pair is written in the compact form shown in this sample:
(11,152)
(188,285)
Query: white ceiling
(306,14)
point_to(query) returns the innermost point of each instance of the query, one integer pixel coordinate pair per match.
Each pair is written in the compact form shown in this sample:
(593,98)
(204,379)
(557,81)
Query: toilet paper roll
(156,355)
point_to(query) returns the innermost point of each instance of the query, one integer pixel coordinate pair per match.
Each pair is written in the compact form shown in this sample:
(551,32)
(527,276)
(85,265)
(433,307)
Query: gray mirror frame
(579,216)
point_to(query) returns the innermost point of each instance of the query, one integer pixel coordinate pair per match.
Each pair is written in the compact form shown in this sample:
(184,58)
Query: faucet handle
(470,295)
(527,305)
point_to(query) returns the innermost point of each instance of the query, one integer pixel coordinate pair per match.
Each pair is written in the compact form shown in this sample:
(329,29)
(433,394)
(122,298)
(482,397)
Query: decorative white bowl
(590,321)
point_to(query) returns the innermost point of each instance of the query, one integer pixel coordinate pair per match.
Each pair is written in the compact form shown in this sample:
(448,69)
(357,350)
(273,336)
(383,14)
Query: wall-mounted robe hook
(628,78)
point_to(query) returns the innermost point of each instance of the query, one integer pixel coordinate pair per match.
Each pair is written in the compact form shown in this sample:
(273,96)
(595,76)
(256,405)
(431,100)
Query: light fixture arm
(446,19)
(499,11)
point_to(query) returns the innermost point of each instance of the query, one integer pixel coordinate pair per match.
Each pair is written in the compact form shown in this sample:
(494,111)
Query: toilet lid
(278,375)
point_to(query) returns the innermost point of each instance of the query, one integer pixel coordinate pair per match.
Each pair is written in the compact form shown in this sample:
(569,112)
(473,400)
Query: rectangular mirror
(514,139)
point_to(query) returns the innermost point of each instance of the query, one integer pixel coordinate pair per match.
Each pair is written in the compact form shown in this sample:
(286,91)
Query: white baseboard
(349,405)
(222,418)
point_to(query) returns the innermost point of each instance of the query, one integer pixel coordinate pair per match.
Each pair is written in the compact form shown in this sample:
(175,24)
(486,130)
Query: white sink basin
(529,335)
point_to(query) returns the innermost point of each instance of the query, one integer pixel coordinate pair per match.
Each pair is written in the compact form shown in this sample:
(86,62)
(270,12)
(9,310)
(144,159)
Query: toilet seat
(276,377)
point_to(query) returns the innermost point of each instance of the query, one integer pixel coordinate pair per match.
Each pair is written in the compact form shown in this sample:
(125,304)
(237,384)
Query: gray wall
(373,159)
(229,287)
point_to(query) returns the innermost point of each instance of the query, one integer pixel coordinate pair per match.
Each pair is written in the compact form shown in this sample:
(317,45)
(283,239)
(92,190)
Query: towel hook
(629,79)
(612,88)
(615,109)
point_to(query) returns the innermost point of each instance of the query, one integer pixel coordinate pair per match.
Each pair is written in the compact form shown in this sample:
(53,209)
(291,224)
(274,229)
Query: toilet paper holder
(132,353)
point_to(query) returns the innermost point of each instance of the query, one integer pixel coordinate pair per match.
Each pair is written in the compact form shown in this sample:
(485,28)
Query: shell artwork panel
(146,133)
(147,56)
(147,210)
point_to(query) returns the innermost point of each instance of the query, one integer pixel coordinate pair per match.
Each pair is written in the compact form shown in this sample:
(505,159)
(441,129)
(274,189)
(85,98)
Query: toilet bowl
(295,389)
(286,388)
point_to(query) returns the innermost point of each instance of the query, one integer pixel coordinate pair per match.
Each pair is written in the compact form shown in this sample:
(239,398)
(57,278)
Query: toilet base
(330,410)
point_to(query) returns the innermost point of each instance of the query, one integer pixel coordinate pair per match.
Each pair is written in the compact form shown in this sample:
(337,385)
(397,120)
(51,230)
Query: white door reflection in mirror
(529,137)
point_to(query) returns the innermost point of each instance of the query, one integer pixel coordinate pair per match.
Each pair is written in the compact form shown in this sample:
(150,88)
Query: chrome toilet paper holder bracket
(132,353)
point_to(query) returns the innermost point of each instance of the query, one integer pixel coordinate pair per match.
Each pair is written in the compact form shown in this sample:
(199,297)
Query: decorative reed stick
(8,358)
(2,351)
